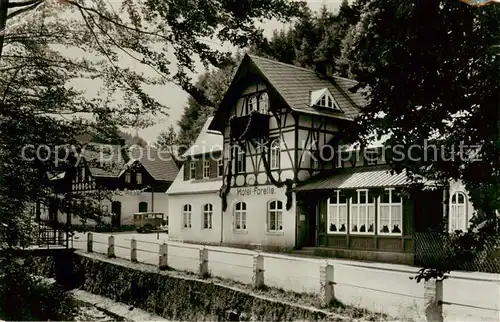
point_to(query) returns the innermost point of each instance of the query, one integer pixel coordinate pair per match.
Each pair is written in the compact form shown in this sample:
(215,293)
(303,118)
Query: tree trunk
(4,6)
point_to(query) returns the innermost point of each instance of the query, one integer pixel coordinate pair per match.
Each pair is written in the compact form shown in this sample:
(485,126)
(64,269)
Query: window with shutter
(213,169)
(199,169)
(186,170)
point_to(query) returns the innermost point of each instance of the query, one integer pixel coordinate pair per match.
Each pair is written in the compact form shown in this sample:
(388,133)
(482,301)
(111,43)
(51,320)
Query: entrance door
(312,238)
(116,209)
(306,219)
(301,224)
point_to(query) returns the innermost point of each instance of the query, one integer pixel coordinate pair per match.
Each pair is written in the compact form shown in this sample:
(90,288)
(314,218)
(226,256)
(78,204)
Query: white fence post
(433,297)
(163,261)
(203,265)
(258,271)
(111,246)
(133,250)
(89,242)
(326,283)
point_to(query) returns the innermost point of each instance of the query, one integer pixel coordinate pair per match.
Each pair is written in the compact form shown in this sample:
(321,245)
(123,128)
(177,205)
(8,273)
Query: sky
(175,98)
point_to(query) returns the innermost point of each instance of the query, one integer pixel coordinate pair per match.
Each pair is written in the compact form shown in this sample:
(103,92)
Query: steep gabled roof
(293,85)
(207,141)
(160,164)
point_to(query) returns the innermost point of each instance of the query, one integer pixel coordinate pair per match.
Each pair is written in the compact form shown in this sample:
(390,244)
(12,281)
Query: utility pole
(4,7)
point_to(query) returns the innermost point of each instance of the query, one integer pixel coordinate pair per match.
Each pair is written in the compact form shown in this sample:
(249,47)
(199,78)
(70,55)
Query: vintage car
(146,222)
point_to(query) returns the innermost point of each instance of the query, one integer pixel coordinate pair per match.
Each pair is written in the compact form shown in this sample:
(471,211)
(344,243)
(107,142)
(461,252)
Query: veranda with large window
(364,210)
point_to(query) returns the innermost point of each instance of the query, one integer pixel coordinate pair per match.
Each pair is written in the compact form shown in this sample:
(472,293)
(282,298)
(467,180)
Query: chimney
(325,67)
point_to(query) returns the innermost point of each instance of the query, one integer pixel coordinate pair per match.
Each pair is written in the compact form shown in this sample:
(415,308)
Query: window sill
(240,231)
(186,228)
(390,234)
(362,234)
(337,233)
(275,233)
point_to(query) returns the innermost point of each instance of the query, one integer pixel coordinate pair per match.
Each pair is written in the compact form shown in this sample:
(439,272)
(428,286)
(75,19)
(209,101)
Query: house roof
(358,178)
(294,85)
(160,164)
(111,163)
(207,141)
(105,160)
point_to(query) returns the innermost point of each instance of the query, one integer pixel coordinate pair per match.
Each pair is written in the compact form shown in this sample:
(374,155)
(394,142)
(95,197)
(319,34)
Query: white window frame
(275,154)
(138,178)
(391,204)
(453,215)
(240,216)
(263,103)
(128,177)
(208,213)
(329,101)
(186,216)
(253,103)
(192,170)
(337,206)
(240,162)
(360,206)
(206,169)
(322,101)
(220,167)
(276,207)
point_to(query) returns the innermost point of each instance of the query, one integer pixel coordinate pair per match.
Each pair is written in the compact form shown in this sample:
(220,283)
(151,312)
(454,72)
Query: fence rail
(258,269)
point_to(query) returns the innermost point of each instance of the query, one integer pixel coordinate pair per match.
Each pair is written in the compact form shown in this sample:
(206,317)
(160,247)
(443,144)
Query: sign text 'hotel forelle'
(256,191)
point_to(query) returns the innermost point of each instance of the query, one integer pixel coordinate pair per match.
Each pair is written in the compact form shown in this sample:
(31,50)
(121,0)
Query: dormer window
(324,98)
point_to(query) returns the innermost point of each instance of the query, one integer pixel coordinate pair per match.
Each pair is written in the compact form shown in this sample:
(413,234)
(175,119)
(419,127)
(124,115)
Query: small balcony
(252,126)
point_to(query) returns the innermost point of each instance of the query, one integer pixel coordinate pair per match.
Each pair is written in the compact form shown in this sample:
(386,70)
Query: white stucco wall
(129,206)
(256,218)
(196,233)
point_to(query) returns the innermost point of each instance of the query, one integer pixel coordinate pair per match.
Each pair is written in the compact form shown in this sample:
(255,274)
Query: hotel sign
(256,191)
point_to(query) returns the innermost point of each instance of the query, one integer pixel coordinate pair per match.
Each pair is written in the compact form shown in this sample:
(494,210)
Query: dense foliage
(432,72)
(26,298)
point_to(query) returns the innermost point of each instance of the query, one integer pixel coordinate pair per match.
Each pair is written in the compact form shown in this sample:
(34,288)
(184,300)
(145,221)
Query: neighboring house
(137,177)
(194,204)
(277,120)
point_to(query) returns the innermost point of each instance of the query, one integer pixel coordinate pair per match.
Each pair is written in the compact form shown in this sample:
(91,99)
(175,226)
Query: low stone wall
(177,297)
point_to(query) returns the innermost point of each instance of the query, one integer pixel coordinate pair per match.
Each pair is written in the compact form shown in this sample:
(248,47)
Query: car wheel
(139,230)
(148,228)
